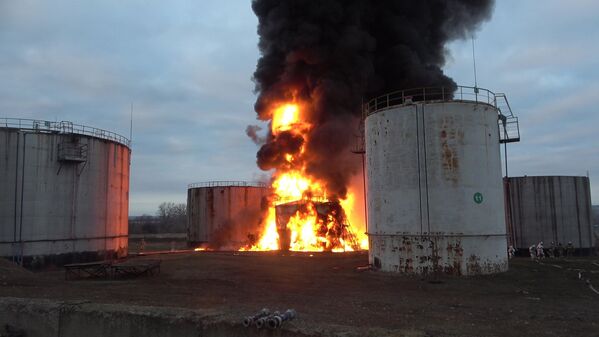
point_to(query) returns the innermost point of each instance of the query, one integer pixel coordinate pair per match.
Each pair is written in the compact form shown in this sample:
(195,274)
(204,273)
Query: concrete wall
(63,211)
(44,318)
(224,216)
(551,209)
(435,197)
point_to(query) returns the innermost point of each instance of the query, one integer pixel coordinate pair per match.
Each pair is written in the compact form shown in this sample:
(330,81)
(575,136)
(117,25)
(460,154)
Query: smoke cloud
(252,132)
(333,54)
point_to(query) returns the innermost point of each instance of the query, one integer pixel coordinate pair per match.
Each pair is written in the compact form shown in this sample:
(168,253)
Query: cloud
(543,56)
(186,66)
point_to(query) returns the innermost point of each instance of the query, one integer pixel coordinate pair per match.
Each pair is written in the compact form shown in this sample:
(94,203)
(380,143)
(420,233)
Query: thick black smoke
(333,54)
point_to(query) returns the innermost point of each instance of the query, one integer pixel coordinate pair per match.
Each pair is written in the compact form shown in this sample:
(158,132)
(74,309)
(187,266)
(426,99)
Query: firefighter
(540,251)
(560,250)
(531,251)
(570,249)
(511,251)
(142,246)
(551,250)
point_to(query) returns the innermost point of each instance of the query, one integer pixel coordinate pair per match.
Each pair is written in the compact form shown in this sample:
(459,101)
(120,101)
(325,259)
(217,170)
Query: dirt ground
(334,297)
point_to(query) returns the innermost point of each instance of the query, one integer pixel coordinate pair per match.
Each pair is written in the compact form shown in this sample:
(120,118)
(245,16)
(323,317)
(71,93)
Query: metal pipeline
(260,322)
(249,320)
(275,321)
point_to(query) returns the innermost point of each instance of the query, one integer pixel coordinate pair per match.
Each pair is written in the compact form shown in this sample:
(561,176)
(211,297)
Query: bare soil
(334,297)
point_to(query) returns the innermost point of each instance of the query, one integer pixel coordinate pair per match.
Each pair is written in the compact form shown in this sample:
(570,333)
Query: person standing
(551,250)
(540,251)
(511,251)
(531,251)
(570,249)
(560,249)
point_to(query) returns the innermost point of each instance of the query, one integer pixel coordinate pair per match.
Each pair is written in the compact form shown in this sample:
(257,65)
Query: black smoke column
(331,54)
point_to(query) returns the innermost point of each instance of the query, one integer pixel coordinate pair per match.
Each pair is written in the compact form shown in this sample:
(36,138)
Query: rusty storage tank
(551,209)
(225,214)
(64,192)
(434,181)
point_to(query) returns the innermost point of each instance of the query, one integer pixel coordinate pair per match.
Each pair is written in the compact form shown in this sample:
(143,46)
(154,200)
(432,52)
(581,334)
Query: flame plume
(307,228)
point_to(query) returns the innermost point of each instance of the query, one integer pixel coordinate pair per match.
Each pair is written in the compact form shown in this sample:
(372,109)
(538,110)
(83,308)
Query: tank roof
(63,127)
(224,183)
(432,95)
(547,176)
(509,127)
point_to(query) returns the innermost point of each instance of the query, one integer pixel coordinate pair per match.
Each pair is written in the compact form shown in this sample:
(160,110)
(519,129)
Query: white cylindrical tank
(225,215)
(64,192)
(435,197)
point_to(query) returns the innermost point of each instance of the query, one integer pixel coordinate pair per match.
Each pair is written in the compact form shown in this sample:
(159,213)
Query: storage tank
(551,209)
(64,192)
(225,214)
(434,185)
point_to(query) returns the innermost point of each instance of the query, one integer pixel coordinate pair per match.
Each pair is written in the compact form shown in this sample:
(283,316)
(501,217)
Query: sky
(186,66)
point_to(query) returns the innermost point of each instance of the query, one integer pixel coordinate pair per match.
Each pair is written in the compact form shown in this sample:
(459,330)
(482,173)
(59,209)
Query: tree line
(169,218)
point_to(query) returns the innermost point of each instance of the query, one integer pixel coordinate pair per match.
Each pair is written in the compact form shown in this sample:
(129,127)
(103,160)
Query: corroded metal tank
(551,209)
(435,198)
(64,192)
(225,214)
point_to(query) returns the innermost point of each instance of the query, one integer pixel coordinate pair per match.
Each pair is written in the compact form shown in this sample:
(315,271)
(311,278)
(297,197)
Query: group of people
(538,251)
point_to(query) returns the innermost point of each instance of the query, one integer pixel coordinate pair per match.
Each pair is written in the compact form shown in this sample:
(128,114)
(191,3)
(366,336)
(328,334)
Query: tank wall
(435,197)
(224,216)
(51,207)
(551,209)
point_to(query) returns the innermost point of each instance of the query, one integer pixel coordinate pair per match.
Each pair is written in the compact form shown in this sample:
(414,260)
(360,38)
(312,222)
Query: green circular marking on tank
(478,198)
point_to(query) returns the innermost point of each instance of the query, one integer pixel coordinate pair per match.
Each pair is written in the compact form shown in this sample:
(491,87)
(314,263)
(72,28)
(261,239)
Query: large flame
(308,230)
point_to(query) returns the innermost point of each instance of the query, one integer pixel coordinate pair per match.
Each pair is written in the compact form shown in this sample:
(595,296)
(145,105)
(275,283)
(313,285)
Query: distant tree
(172,217)
(143,224)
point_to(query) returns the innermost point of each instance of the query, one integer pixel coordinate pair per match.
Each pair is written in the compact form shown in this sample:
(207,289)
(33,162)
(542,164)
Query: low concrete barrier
(47,318)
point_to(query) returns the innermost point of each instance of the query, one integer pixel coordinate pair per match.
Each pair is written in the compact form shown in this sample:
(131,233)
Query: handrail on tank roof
(435,94)
(224,183)
(63,127)
(509,126)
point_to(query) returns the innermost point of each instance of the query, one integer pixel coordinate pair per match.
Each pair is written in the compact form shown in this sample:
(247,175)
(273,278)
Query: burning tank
(303,214)
(322,222)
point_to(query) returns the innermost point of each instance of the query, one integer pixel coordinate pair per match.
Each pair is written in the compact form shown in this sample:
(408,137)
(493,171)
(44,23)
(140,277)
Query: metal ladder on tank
(509,128)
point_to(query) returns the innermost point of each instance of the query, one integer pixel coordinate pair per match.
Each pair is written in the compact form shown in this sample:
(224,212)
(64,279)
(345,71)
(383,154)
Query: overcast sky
(186,67)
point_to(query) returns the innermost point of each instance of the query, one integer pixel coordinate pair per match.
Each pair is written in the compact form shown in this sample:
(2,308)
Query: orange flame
(308,230)
(284,117)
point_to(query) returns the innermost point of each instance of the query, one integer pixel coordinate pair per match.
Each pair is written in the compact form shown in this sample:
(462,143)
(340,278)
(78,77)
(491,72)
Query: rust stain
(473,265)
(449,136)
(437,253)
